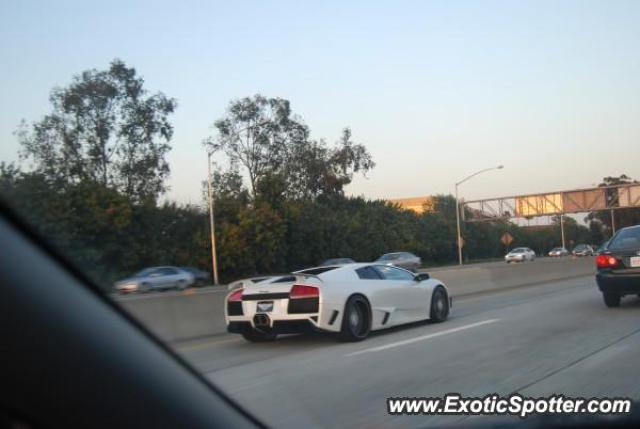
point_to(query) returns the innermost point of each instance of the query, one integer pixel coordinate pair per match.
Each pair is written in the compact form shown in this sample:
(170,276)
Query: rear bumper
(285,316)
(278,327)
(623,284)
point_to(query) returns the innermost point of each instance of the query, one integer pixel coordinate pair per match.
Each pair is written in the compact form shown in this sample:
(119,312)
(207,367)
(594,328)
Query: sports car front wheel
(356,323)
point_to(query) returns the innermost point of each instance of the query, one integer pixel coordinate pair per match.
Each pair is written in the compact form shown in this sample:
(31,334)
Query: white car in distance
(520,254)
(348,300)
(156,279)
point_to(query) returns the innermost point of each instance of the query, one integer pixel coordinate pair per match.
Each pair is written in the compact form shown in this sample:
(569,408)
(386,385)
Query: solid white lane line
(423,337)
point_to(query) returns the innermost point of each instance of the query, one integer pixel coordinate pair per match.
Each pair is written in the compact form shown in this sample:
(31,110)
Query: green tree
(272,145)
(315,169)
(104,128)
(255,134)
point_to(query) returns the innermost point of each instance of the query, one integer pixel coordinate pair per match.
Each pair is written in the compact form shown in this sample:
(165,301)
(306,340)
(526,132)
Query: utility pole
(211,222)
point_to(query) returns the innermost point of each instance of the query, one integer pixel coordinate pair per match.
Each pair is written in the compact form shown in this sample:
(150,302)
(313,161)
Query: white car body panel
(399,301)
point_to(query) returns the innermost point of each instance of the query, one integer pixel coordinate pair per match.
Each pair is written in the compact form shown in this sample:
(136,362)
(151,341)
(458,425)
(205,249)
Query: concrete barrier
(176,316)
(180,315)
(493,276)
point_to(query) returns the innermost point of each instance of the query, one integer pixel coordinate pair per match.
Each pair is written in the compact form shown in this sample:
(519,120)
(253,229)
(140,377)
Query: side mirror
(422,277)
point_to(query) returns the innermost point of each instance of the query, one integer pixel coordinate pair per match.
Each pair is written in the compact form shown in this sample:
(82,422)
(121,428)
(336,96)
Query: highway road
(539,340)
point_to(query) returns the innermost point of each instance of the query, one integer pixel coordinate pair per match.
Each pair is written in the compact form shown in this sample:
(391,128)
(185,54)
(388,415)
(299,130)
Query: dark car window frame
(37,244)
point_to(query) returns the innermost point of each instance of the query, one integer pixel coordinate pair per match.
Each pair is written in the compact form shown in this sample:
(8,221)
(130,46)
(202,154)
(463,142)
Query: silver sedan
(405,260)
(558,251)
(156,278)
(520,254)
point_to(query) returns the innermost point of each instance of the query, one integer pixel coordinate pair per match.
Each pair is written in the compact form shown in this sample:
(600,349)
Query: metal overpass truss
(552,203)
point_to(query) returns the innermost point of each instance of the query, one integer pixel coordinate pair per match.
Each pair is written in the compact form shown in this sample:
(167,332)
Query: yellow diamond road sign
(506,238)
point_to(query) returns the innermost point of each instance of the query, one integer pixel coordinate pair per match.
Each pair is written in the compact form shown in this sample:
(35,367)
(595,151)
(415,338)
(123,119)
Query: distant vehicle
(349,300)
(558,251)
(601,248)
(201,278)
(405,260)
(337,261)
(619,266)
(156,278)
(520,254)
(582,250)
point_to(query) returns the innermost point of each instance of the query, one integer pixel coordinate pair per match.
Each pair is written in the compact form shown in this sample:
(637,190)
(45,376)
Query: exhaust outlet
(261,321)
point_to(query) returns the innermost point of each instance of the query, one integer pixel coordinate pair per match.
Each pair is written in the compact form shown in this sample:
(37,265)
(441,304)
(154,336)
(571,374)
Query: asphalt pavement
(554,338)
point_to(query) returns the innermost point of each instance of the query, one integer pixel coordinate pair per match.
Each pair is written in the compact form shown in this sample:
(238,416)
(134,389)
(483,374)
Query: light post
(234,135)
(211,222)
(613,223)
(459,237)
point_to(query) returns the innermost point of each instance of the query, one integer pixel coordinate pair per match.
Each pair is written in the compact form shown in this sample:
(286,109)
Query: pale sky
(435,89)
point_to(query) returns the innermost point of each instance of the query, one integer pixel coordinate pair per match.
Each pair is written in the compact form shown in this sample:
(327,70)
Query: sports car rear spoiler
(301,277)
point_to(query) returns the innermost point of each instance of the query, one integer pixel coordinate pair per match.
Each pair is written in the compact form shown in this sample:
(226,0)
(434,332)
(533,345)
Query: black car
(202,278)
(619,266)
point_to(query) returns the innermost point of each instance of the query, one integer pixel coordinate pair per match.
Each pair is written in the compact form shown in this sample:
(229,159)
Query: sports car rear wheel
(439,305)
(256,336)
(356,323)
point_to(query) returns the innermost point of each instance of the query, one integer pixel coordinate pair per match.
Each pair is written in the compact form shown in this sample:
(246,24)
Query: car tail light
(235,296)
(304,291)
(606,261)
(303,299)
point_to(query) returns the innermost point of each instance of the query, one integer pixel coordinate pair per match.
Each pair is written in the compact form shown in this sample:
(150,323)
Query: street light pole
(211,222)
(459,236)
(613,223)
(210,195)
(562,229)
